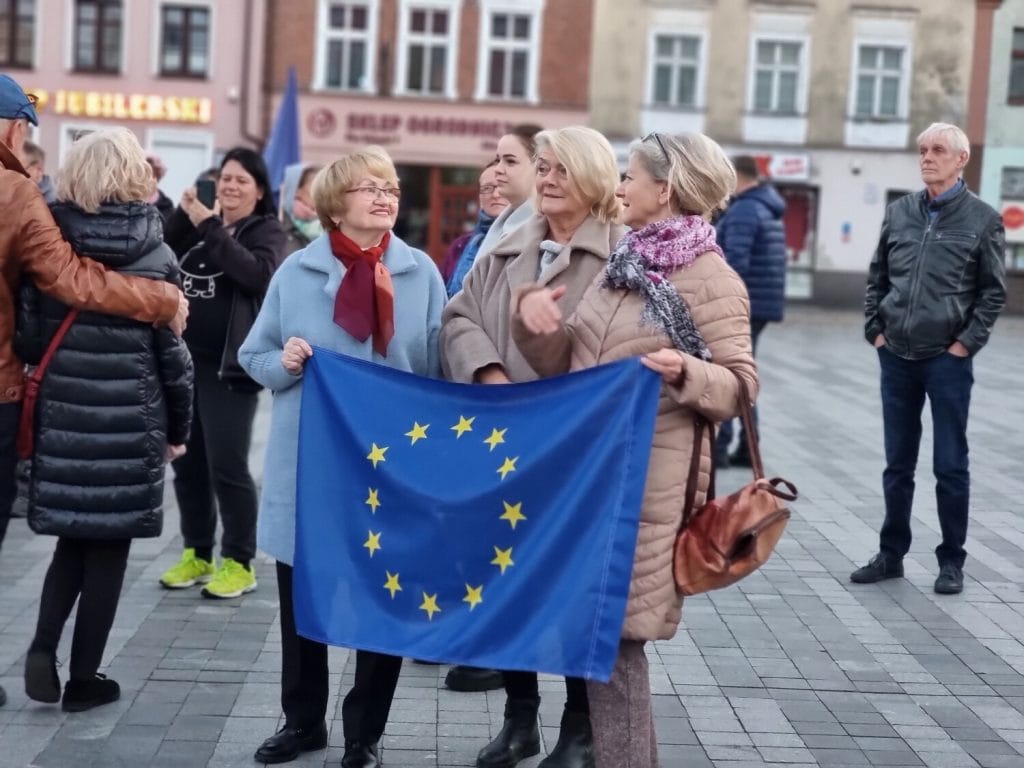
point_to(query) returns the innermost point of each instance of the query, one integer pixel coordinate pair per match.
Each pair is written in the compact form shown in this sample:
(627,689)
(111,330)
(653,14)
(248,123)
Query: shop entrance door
(453,210)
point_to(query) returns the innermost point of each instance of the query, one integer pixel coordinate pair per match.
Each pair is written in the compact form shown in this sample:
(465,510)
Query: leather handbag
(25,442)
(731,537)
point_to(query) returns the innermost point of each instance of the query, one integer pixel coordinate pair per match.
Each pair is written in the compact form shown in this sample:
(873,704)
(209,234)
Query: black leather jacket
(935,282)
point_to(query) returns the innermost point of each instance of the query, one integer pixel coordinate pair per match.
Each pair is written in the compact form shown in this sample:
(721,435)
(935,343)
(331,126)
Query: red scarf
(365,303)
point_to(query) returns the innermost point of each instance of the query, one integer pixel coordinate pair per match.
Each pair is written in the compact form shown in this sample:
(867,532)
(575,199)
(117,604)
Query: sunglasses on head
(654,135)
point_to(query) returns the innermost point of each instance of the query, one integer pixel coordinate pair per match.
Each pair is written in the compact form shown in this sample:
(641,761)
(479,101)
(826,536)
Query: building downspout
(977,99)
(246,77)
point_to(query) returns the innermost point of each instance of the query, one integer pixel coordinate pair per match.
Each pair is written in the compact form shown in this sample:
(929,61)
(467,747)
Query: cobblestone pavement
(794,667)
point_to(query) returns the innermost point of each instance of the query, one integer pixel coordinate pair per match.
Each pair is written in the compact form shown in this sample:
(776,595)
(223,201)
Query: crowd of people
(571,264)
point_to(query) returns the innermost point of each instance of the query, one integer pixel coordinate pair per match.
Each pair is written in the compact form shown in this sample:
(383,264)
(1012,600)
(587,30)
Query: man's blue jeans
(946,381)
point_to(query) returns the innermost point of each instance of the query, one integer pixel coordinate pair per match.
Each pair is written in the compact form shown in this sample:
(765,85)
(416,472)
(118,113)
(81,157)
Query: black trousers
(523,685)
(91,572)
(304,678)
(214,474)
(9,414)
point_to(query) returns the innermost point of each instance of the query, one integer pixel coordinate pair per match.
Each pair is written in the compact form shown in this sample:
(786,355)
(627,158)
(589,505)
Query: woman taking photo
(115,405)
(565,245)
(228,254)
(666,294)
(358,290)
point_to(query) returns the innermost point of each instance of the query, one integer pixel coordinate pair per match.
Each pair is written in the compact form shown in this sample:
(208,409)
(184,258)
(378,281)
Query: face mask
(311,229)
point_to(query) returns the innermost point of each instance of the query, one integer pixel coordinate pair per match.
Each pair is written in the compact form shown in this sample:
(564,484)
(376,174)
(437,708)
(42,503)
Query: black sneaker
(950,580)
(80,695)
(878,568)
(463,678)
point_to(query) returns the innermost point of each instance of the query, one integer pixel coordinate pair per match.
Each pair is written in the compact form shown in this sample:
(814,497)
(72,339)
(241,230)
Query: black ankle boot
(518,739)
(80,695)
(575,747)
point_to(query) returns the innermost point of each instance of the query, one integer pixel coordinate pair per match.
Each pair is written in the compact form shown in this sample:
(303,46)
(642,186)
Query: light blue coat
(300,302)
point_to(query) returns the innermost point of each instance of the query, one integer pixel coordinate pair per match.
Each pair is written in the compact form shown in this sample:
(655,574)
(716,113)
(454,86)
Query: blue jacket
(300,302)
(750,233)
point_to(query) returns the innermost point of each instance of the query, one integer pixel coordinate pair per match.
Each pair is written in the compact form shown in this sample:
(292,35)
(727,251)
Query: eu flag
(282,149)
(484,525)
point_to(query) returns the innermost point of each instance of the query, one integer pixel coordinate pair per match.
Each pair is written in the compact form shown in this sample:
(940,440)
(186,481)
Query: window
(347,35)
(879,72)
(17,32)
(98,35)
(185,41)
(1012,187)
(777,77)
(427,35)
(676,64)
(508,55)
(1016,95)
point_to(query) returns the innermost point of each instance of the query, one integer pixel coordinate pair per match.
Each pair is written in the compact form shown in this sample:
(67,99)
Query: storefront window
(98,35)
(17,32)
(185,42)
(1015,257)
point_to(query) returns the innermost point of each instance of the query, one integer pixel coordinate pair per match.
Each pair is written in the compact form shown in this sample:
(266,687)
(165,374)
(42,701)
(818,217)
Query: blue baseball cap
(14,103)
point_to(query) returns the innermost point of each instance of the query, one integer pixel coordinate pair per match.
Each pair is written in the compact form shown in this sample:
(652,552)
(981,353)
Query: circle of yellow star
(508,466)
(502,558)
(464,425)
(376,454)
(497,436)
(474,596)
(373,500)
(372,542)
(513,513)
(429,605)
(392,585)
(418,432)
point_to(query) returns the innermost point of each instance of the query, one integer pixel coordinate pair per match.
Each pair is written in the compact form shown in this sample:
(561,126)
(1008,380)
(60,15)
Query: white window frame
(803,73)
(701,63)
(69,39)
(903,94)
(324,35)
(67,128)
(158,35)
(405,38)
(531,8)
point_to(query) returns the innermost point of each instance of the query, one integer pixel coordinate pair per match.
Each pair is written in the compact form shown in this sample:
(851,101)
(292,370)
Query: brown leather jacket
(31,243)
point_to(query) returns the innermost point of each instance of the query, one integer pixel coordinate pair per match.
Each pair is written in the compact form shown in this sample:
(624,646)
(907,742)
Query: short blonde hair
(958,141)
(105,166)
(590,161)
(330,186)
(696,168)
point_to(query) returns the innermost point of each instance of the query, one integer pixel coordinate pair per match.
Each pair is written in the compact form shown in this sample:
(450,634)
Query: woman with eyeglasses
(564,245)
(667,294)
(464,249)
(359,290)
(228,251)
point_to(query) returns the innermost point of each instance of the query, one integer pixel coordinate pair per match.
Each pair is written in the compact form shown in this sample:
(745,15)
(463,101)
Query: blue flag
(486,525)
(282,148)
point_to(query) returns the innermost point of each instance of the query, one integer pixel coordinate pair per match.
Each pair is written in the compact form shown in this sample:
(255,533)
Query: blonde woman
(668,295)
(116,403)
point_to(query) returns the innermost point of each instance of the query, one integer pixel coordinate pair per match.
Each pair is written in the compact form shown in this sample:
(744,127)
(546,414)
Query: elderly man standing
(935,287)
(31,245)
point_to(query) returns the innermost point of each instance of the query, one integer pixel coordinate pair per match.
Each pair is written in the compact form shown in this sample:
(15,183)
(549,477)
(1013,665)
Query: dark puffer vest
(115,394)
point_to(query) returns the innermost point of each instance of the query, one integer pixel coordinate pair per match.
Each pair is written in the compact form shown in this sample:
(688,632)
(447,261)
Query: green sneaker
(190,570)
(231,580)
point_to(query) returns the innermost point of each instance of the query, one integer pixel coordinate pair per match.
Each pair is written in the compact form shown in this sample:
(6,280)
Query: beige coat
(606,327)
(477,330)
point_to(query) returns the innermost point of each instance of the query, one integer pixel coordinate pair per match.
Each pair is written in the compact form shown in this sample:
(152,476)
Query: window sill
(21,67)
(183,76)
(664,119)
(876,133)
(102,72)
(775,128)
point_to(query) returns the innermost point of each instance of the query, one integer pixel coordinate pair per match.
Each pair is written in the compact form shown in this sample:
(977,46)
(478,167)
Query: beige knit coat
(606,327)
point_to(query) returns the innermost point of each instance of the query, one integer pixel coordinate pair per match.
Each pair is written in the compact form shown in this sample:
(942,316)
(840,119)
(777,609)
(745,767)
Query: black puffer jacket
(115,394)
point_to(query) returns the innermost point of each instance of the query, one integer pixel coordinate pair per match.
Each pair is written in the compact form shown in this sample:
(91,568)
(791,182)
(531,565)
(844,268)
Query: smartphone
(206,192)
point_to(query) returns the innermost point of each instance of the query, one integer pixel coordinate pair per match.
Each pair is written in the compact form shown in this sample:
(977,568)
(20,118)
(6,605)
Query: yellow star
(418,432)
(502,558)
(474,596)
(372,542)
(464,425)
(392,584)
(377,454)
(497,436)
(508,466)
(429,605)
(374,501)
(513,513)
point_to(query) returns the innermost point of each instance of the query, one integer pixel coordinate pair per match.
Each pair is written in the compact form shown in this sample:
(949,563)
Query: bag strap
(58,337)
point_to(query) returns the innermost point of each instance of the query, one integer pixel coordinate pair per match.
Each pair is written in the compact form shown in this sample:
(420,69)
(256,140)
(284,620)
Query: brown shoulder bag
(728,538)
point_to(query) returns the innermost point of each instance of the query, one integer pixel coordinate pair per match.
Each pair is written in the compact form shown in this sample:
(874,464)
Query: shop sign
(126,106)
(784,167)
(1013,220)
(391,128)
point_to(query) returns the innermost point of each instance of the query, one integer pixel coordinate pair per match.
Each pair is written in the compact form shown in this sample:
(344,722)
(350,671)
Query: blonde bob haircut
(590,162)
(331,185)
(696,169)
(105,166)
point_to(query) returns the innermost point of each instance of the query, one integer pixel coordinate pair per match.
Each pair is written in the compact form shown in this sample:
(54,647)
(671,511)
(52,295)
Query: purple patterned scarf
(643,259)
